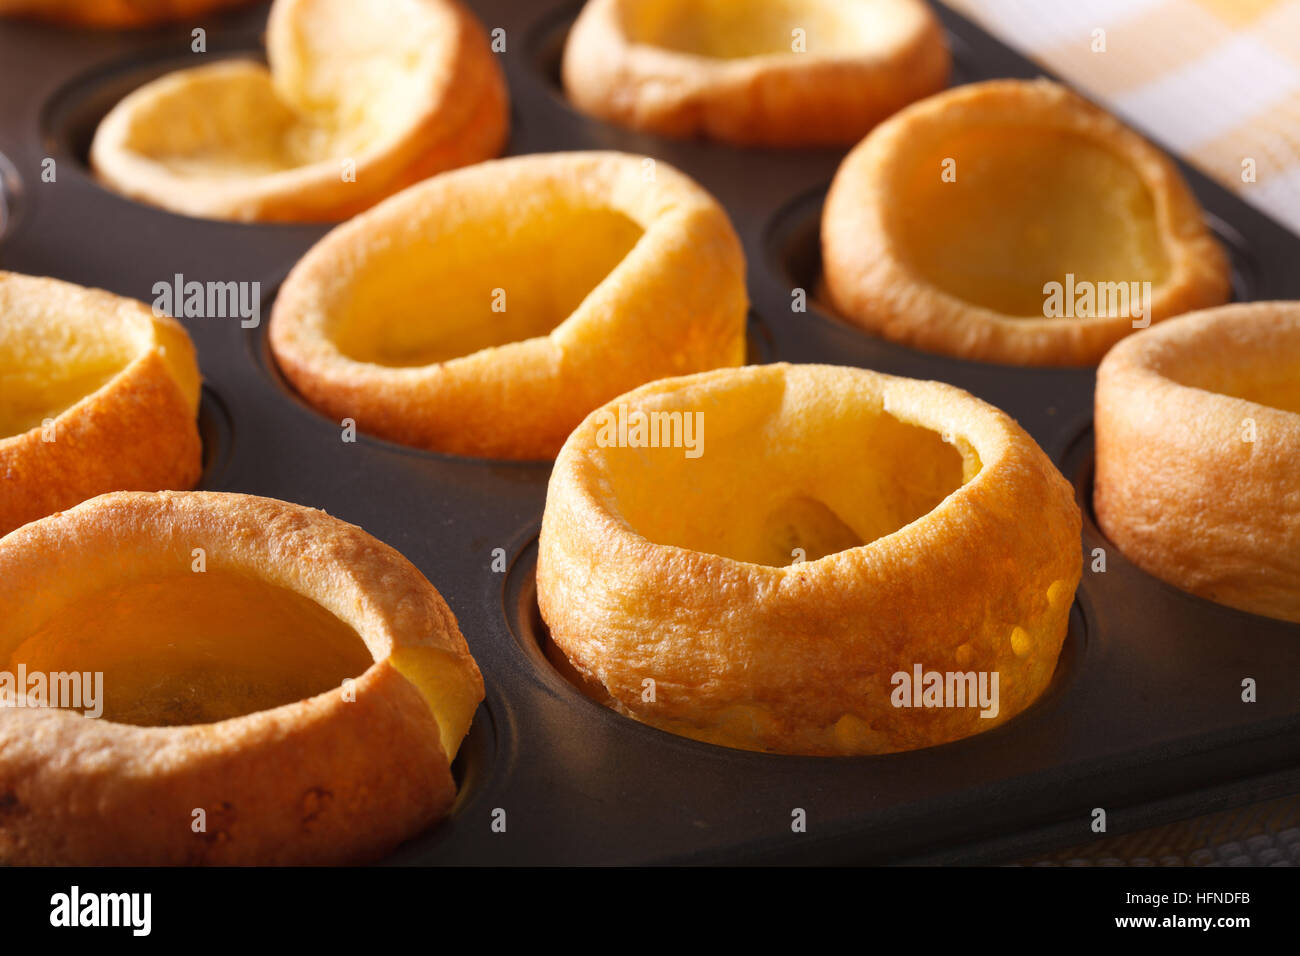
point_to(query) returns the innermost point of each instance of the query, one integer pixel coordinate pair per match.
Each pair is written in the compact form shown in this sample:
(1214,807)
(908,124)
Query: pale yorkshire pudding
(306,690)
(947,226)
(362,98)
(486,311)
(116,13)
(933,532)
(96,394)
(1198,454)
(753,72)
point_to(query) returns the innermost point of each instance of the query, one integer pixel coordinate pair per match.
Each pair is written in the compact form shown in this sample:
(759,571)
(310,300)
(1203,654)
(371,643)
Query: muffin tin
(1144,716)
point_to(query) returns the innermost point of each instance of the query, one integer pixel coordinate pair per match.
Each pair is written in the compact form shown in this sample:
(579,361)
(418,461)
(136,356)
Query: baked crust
(1180,488)
(113,14)
(245,143)
(675,302)
(320,780)
(871,283)
(771,99)
(135,431)
(799,658)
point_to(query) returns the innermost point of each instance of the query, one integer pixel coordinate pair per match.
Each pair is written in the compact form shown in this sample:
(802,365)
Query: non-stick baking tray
(1144,717)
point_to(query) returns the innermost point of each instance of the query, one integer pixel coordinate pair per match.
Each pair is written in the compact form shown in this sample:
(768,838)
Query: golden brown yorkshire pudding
(116,13)
(753,72)
(1198,454)
(363,98)
(1012,221)
(753,557)
(298,700)
(96,394)
(487,311)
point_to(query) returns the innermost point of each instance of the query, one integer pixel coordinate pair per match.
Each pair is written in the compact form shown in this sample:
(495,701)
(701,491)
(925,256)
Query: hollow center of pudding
(734,29)
(194,648)
(1268,374)
(777,484)
(347,78)
(489,282)
(1020,208)
(1280,393)
(46,367)
(230,122)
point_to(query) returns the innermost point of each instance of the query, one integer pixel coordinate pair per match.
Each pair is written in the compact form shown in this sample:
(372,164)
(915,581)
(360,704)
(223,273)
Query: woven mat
(1262,834)
(1215,81)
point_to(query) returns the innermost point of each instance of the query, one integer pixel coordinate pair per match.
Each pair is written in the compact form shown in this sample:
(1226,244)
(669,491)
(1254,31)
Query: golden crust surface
(800,658)
(1198,454)
(831,93)
(112,14)
(134,432)
(871,283)
(354,108)
(674,303)
(321,780)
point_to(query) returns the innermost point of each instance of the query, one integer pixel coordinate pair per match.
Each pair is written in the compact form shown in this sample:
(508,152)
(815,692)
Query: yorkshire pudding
(96,394)
(115,13)
(486,311)
(363,98)
(1198,454)
(764,73)
(816,532)
(1012,221)
(306,690)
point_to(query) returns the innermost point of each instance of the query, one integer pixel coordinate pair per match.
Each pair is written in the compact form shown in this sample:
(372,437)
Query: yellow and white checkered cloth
(1216,81)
